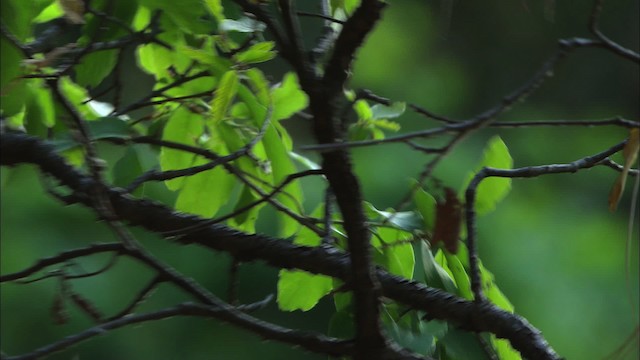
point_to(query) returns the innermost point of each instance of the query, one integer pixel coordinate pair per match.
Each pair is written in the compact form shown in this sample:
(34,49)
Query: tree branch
(17,148)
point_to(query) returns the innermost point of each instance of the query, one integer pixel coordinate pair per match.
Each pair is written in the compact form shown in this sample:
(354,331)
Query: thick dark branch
(350,39)
(324,97)
(17,148)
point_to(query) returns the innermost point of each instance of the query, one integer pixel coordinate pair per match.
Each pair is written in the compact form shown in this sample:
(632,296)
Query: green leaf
(246,220)
(109,127)
(363,110)
(17,17)
(462,345)
(74,156)
(386,124)
(405,220)
(504,350)
(416,338)
(209,57)
(127,169)
(141,18)
(16,121)
(101,128)
(95,67)
(205,192)
(281,165)
(380,111)
(300,290)
(216,9)
(492,292)
(186,14)
(452,262)
(49,13)
(223,97)
(259,86)
(183,127)
(341,325)
(195,86)
(426,206)
(435,275)
(12,88)
(347,6)
(257,53)
(492,190)
(397,251)
(288,98)
(40,106)
(77,96)
(156,60)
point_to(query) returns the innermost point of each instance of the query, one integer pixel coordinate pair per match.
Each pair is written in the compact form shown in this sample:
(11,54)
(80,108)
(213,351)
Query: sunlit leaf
(259,85)
(386,124)
(363,110)
(216,9)
(246,220)
(300,290)
(185,14)
(77,96)
(288,98)
(492,190)
(204,193)
(49,13)
(257,53)
(183,127)
(397,251)
(226,91)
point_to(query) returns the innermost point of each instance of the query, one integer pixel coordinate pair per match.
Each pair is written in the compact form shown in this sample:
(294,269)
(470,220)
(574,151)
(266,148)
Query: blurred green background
(553,246)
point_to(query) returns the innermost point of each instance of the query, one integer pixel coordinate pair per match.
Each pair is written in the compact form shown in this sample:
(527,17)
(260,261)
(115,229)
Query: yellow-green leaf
(224,95)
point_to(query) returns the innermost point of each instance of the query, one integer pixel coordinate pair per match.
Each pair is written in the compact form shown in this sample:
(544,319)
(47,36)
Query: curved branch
(17,148)
(526,172)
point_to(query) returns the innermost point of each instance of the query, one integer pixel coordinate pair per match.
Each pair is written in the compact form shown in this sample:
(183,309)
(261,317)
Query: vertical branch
(470,215)
(323,98)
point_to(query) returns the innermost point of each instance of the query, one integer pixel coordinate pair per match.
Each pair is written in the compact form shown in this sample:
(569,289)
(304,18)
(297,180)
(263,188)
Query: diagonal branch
(17,148)
(310,341)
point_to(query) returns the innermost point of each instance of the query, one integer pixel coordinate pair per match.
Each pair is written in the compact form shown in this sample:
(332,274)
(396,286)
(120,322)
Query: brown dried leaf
(73,10)
(630,153)
(448,221)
